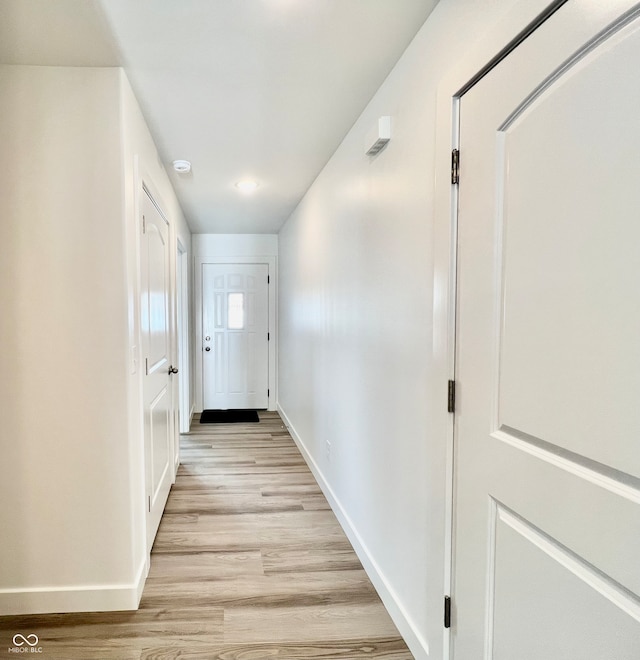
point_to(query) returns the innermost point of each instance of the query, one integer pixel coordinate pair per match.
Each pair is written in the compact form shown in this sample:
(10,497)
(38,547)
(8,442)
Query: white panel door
(547,425)
(156,347)
(235,346)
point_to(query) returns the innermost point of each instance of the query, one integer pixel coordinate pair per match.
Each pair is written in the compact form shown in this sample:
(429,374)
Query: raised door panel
(570,612)
(571,310)
(155,315)
(237,362)
(159,420)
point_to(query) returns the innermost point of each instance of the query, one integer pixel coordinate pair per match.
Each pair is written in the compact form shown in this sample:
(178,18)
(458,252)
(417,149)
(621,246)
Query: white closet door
(547,427)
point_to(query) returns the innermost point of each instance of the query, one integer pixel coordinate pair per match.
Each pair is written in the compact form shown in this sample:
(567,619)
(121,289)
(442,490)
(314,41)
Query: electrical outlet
(327,447)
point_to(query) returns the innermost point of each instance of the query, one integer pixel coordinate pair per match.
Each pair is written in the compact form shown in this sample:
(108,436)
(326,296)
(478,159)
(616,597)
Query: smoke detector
(182,166)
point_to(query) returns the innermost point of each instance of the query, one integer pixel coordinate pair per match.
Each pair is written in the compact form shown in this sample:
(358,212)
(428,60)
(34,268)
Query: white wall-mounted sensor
(377,139)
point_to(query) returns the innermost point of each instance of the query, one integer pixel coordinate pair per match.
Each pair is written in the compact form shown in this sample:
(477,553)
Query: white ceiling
(262,89)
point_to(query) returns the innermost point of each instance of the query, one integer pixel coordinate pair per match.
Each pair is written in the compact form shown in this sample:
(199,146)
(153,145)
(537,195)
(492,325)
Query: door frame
(271,263)
(525,17)
(182,336)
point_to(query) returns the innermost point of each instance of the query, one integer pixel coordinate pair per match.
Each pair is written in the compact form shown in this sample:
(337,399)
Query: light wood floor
(249,563)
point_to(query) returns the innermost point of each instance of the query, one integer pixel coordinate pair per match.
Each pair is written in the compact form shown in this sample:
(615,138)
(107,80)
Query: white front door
(156,352)
(235,346)
(547,424)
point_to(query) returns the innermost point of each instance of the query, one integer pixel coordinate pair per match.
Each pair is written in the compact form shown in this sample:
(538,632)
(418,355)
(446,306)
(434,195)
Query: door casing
(496,44)
(182,338)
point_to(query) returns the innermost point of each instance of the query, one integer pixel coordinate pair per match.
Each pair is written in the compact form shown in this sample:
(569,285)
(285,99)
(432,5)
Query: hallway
(249,563)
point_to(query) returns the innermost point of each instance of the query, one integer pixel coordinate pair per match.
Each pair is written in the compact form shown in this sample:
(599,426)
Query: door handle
(172,370)
(208,348)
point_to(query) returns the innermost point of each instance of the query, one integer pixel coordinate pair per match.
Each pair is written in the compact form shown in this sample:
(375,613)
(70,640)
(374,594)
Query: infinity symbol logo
(31,640)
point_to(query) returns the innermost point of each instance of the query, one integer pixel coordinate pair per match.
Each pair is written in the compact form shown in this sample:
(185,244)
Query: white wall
(364,336)
(72,488)
(235,245)
(65,486)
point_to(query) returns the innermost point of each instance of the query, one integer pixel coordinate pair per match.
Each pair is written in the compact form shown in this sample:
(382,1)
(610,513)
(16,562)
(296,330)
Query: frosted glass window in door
(235,311)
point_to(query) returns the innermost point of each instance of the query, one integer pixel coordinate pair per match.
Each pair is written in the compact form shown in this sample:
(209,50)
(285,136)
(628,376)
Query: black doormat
(228,416)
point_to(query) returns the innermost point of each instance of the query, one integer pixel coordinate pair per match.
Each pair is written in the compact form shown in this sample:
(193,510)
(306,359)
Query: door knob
(173,370)
(207,338)
(208,348)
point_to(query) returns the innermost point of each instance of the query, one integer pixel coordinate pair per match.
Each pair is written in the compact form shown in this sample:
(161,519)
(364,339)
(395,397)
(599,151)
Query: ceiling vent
(377,139)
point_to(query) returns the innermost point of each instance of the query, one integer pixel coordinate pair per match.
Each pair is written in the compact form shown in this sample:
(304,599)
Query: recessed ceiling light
(246,186)
(182,166)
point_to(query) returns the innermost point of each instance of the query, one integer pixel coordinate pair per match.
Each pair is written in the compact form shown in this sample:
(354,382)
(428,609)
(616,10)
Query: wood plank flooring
(249,564)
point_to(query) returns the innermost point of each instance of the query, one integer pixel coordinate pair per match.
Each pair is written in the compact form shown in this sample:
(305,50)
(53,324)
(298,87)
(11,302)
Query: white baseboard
(62,600)
(415,641)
